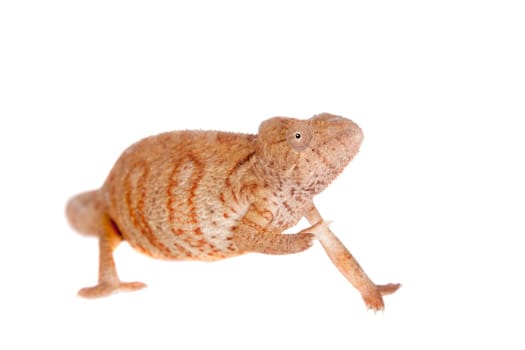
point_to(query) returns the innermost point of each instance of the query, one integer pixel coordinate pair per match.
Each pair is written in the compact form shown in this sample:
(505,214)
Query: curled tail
(85,213)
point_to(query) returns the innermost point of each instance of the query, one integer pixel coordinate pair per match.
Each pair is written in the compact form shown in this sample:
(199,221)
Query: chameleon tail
(85,212)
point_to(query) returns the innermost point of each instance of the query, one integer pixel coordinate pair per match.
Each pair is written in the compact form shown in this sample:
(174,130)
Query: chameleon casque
(209,195)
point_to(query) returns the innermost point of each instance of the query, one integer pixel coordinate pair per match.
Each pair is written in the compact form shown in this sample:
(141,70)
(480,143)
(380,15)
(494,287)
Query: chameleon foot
(105,289)
(374,299)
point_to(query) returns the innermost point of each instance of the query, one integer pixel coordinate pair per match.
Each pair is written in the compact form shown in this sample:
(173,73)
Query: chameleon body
(208,195)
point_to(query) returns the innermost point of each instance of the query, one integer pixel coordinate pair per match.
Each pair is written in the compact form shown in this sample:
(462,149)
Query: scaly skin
(208,195)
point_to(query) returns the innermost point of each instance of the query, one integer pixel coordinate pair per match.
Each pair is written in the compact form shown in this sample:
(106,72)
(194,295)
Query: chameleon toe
(105,289)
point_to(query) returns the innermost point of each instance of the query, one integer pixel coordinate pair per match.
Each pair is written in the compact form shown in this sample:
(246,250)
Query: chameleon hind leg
(108,280)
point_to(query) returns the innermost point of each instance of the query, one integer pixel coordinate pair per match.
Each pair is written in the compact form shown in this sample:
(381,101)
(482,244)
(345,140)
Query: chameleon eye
(300,136)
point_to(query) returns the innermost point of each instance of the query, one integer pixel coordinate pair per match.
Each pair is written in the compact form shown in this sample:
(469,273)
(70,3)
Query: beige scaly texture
(208,195)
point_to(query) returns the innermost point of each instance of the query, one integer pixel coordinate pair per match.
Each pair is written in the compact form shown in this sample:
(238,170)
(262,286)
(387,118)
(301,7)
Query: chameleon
(209,195)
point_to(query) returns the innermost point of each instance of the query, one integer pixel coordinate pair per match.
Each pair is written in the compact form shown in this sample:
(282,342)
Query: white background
(434,200)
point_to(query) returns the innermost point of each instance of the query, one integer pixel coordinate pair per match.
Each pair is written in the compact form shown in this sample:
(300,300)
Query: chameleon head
(307,154)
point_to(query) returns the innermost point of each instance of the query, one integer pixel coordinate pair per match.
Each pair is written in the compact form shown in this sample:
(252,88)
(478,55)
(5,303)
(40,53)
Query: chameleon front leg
(348,265)
(251,235)
(108,280)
